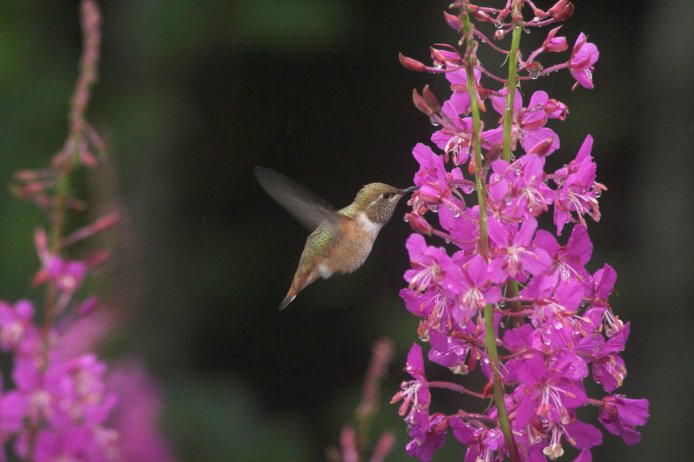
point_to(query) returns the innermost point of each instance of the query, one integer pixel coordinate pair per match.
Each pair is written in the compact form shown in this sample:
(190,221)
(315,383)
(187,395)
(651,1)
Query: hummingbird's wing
(308,208)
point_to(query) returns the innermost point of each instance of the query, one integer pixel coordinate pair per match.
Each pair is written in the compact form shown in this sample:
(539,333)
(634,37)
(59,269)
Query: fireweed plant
(504,296)
(354,439)
(59,402)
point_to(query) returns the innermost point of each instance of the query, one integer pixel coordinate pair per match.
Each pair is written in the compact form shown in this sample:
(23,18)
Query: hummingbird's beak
(410,189)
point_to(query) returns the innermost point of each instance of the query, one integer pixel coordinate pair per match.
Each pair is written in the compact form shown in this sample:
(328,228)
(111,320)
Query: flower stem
(498,383)
(63,163)
(470,61)
(512,78)
(490,337)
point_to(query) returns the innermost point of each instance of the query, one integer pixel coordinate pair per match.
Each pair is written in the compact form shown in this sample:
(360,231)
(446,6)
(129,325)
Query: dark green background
(193,94)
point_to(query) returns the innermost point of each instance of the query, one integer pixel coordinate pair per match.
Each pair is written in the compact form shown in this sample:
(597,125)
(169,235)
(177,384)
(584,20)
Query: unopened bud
(555,44)
(431,99)
(561,10)
(40,240)
(542,148)
(88,305)
(420,103)
(482,16)
(499,34)
(419,223)
(411,64)
(453,21)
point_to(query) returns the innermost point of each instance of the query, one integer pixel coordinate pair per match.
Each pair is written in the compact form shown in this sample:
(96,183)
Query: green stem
(490,340)
(58,224)
(490,337)
(470,61)
(512,78)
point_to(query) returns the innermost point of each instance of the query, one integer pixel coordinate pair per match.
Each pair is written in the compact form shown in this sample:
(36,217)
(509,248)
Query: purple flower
(518,189)
(16,325)
(460,349)
(93,444)
(414,394)
(428,434)
(455,136)
(515,252)
(569,260)
(608,367)
(137,414)
(482,443)
(599,287)
(433,181)
(464,229)
(429,264)
(475,287)
(528,124)
(13,407)
(620,415)
(548,392)
(583,56)
(67,275)
(460,99)
(577,190)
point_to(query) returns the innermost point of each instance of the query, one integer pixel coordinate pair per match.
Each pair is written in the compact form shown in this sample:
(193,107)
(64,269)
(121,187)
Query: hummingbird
(341,239)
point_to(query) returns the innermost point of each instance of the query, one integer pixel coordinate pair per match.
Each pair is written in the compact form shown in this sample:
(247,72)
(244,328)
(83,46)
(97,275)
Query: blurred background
(193,94)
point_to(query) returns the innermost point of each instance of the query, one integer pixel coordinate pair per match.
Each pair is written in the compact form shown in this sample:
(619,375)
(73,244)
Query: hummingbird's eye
(387,195)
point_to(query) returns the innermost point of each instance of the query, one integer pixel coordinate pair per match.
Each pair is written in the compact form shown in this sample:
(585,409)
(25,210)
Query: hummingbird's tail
(301,280)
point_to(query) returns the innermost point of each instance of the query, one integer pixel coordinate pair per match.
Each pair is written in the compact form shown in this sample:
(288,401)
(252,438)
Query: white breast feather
(368,225)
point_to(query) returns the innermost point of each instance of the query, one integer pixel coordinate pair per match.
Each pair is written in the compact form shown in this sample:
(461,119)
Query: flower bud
(418,223)
(431,99)
(453,21)
(421,104)
(561,10)
(411,64)
(542,148)
(555,44)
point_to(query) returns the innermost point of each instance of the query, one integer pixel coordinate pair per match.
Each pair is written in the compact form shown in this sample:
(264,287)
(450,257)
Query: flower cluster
(61,403)
(501,282)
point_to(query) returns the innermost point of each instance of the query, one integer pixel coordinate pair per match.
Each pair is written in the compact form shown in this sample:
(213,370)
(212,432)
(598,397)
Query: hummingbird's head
(378,201)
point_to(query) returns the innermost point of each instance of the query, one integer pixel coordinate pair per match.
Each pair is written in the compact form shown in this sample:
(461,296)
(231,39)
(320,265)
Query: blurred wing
(308,208)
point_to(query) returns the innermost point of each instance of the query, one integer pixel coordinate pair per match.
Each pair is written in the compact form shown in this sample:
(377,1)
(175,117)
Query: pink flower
(577,191)
(528,124)
(621,415)
(553,43)
(518,189)
(455,136)
(460,99)
(515,252)
(583,56)
(16,325)
(136,417)
(433,181)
